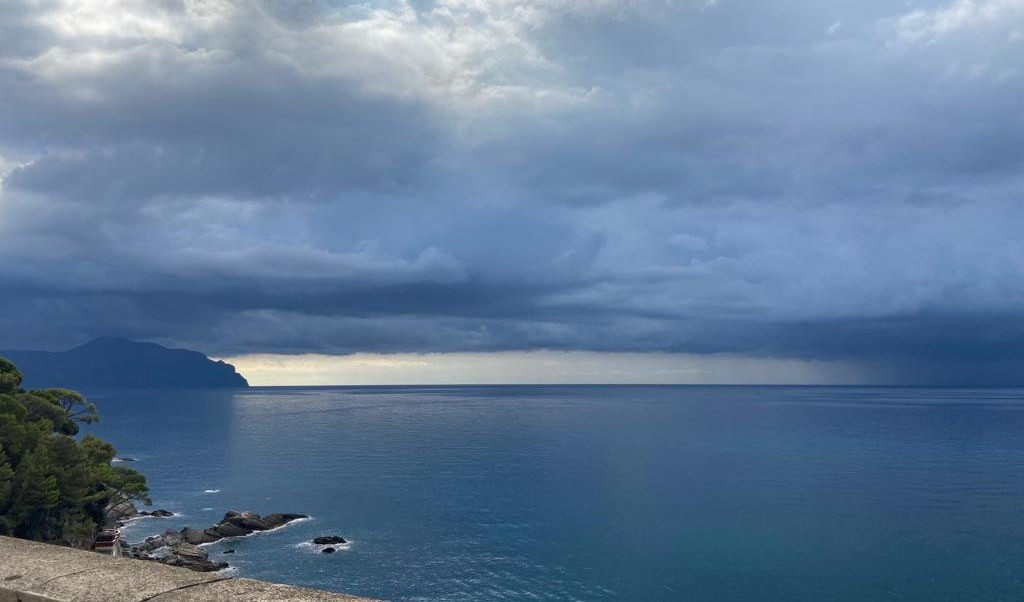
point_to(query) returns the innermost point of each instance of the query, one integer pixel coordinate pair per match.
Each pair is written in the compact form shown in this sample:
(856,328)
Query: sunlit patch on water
(599,494)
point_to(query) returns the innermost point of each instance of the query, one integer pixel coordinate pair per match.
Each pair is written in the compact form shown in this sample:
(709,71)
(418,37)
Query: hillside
(112,363)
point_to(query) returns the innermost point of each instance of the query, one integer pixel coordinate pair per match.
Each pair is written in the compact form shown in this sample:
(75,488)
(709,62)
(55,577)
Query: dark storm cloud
(836,181)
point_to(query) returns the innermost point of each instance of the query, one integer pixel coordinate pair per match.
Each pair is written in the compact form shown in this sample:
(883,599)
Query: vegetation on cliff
(55,488)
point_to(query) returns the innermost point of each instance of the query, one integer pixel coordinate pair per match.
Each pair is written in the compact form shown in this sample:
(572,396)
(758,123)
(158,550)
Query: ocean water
(599,493)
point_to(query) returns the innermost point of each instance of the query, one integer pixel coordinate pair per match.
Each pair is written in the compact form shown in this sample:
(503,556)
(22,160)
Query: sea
(597,493)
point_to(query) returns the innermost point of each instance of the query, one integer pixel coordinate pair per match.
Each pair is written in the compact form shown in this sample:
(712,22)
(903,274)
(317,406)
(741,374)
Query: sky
(521,191)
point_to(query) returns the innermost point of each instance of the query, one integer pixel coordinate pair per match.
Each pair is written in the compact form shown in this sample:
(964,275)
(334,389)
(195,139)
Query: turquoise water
(600,493)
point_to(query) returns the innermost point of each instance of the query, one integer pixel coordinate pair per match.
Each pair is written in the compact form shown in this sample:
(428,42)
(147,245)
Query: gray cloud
(838,181)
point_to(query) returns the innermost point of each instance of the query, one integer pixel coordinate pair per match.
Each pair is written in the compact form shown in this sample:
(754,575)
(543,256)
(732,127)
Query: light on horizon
(536,367)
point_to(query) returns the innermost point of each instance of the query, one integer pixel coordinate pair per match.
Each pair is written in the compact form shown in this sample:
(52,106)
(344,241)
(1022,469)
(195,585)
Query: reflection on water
(599,493)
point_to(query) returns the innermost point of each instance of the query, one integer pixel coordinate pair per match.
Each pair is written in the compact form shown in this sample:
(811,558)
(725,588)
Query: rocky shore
(181,548)
(121,511)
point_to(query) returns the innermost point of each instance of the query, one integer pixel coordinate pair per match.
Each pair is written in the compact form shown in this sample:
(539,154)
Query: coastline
(256,533)
(184,548)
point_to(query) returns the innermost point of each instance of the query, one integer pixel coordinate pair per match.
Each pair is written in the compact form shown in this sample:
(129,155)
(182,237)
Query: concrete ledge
(37,572)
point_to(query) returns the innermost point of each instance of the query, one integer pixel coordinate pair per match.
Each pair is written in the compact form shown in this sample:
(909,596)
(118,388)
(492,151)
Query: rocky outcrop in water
(238,524)
(179,548)
(120,510)
(158,513)
(329,540)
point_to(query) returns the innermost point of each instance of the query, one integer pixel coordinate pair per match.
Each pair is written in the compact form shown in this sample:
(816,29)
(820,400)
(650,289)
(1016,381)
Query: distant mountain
(111,363)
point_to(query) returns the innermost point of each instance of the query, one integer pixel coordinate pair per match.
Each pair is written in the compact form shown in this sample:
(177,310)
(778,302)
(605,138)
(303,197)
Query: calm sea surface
(599,493)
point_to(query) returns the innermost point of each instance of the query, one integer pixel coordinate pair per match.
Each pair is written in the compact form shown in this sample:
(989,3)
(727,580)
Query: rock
(189,552)
(180,548)
(166,539)
(158,513)
(191,557)
(196,537)
(329,539)
(120,510)
(229,530)
(237,524)
(277,519)
(249,521)
(125,459)
(327,551)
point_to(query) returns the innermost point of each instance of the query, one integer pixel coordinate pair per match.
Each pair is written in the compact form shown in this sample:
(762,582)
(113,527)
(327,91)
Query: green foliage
(10,377)
(35,497)
(97,451)
(52,487)
(41,408)
(6,492)
(78,408)
(127,484)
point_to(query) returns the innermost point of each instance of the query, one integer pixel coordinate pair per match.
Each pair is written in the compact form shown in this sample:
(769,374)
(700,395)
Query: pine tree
(10,377)
(35,495)
(6,493)
(53,488)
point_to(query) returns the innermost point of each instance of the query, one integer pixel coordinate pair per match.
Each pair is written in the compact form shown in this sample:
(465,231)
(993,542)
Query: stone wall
(36,572)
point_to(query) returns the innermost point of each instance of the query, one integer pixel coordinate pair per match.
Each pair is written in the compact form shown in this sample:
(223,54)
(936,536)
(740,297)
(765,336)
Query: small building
(108,541)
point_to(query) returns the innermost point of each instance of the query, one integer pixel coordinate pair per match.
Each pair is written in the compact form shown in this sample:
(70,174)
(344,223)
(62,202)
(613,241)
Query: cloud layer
(840,181)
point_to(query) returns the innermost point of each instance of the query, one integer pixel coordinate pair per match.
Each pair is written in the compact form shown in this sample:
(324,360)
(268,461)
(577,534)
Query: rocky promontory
(121,511)
(113,363)
(181,548)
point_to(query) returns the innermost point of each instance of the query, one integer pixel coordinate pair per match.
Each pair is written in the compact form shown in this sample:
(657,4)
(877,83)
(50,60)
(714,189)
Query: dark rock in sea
(327,551)
(228,552)
(157,513)
(118,511)
(196,537)
(329,539)
(180,548)
(277,519)
(125,459)
(112,363)
(233,528)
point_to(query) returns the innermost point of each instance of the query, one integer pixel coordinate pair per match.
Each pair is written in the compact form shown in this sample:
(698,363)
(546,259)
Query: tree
(10,377)
(65,408)
(74,403)
(97,451)
(43,409)
(35,495)
(52,487)
(126,484)
(6,492)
